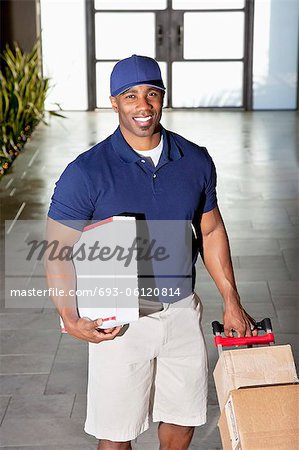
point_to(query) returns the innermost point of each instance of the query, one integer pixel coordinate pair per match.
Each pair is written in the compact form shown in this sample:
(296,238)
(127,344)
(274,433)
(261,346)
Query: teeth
(142,119)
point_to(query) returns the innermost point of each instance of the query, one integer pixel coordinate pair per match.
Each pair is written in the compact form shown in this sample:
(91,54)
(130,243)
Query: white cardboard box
(106,288)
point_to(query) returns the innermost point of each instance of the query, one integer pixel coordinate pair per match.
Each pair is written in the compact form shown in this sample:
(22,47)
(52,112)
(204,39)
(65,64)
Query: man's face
(140,110)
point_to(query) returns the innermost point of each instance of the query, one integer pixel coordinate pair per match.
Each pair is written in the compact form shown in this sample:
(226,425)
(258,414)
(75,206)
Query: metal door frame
(169,28)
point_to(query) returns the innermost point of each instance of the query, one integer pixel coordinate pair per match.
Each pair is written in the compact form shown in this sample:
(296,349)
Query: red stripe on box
(63,330)
(98,224)
(109,318)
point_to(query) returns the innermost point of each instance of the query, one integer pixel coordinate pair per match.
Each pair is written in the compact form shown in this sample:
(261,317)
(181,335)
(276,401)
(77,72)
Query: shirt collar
(170,152)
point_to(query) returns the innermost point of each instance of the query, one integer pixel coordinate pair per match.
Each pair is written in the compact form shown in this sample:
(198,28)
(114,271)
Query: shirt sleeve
(71,202)
(210,189)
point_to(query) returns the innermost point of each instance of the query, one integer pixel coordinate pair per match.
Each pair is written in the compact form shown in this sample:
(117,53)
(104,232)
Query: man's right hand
(87,330)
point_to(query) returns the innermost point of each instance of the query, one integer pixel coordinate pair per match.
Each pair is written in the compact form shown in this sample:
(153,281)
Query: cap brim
(141,83)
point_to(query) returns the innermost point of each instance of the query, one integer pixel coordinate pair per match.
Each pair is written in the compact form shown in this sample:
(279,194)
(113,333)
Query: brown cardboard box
(261,418)
(253,367)
(224,432)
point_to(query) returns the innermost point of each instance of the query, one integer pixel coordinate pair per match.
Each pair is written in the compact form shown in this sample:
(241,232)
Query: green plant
(22,95)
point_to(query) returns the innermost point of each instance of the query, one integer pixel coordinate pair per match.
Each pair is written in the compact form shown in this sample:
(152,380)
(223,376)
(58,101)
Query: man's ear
(113,103)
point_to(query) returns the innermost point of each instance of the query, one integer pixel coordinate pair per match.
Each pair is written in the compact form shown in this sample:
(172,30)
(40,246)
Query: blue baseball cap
(133,71)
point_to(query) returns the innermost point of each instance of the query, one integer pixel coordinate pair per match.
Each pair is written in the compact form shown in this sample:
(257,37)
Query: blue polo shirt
(111,179)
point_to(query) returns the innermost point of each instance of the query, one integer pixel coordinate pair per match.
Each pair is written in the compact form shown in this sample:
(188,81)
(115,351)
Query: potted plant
(23,90)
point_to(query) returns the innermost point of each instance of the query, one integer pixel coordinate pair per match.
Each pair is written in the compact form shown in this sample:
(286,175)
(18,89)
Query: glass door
(207,67)
(118,29)
(203,48)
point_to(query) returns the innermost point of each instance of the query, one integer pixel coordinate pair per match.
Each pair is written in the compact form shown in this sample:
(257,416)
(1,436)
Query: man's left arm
(217,259)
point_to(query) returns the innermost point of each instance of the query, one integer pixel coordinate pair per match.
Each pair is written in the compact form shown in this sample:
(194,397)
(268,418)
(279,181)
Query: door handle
(160,35)
(180,35)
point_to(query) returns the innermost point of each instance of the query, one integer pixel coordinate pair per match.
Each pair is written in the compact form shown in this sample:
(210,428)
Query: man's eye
(153,94)
(130,96)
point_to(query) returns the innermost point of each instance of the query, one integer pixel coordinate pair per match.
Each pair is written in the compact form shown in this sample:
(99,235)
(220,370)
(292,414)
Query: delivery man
(157,369)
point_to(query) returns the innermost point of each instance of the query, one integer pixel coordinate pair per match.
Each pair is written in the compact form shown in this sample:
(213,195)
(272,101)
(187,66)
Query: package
(261,418)
(224,432)
(253,367)
(106,269)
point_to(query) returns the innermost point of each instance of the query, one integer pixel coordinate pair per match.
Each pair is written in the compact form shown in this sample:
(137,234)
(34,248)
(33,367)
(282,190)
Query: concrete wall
(19,23)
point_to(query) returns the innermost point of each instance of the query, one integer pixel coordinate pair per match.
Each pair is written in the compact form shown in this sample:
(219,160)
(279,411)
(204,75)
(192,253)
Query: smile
(142,119)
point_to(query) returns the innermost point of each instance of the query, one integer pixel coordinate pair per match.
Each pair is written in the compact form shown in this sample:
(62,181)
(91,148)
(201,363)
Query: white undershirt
(154,153)
(149,306)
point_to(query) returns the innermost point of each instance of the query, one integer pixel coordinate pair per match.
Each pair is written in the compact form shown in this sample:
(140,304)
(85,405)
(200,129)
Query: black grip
(217,327)
(264,324)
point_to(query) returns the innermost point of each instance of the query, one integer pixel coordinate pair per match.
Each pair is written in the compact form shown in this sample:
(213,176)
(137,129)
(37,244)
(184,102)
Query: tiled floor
(43,374)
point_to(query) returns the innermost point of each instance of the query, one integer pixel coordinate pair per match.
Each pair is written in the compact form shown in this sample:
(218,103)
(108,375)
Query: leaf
(56,114)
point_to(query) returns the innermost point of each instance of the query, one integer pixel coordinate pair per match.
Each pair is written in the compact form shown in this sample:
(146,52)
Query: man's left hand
(235,318)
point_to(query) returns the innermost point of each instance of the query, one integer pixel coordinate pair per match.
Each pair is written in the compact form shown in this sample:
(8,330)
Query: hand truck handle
(250,340)
(264,325)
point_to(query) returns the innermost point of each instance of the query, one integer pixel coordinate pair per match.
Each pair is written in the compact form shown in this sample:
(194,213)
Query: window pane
(213,35)
(132,4)
(103,71)
(119,35)
(208,4)
(64,53)
(275,54)
(207,84)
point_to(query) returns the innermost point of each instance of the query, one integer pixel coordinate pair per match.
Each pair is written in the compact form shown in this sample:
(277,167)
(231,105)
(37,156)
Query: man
(157,368)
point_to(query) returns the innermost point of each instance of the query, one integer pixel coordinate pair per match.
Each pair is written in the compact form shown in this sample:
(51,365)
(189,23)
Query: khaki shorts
(157,370)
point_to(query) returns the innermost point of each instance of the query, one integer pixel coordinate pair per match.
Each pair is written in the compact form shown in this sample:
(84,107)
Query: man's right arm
(61,277)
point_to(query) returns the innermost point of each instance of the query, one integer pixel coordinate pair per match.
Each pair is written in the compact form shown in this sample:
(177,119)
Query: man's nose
(144,103)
